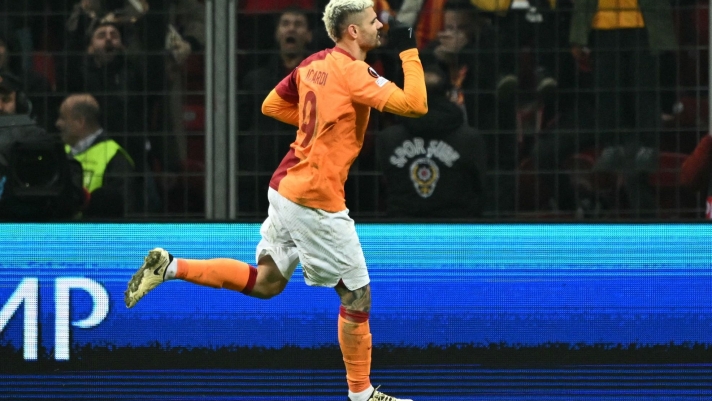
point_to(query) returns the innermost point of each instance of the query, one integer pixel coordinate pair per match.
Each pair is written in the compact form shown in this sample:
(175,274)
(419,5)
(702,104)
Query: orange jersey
(334,94)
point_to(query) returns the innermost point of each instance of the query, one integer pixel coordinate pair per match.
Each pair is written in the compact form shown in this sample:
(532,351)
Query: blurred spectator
(426,16)
(160,38)
(696,171)
(566,118)
(292,36)
(108,168)
(465,50)
(434,165)
(117,83)
(144,28)
(186,29)
(169,34)
(12,100)
(524,26)
(33,88)
(19,22)
(257,6)
(627,39)
(264,141)
(87,14)
(554,146)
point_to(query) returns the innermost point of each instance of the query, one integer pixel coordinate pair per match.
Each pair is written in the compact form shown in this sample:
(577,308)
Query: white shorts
(326,244)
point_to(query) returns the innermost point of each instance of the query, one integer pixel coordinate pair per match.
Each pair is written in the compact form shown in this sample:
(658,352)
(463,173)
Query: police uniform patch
(424,174)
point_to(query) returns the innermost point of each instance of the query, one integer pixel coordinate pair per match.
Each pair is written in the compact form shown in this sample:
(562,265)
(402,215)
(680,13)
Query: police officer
(434,166)
(108,168)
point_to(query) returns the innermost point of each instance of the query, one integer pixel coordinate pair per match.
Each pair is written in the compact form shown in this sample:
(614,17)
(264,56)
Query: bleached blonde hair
(337,13)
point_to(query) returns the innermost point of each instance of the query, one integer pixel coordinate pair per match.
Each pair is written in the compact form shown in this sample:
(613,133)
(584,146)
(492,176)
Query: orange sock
(218,273)
(355,342)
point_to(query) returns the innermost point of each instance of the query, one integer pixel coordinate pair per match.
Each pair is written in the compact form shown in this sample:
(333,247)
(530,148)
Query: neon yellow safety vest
(94,161)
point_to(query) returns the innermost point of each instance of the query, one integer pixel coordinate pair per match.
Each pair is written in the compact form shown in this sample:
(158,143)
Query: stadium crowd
(539,109)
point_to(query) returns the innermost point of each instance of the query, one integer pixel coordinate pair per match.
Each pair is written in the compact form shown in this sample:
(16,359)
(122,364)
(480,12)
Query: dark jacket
(119,89)
(479,78)
(257,84)
(263,141)
(433,165)
(657,15)
(117,194)
(495,120)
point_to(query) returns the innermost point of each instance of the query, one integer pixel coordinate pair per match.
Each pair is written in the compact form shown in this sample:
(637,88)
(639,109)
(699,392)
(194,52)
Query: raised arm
(276,107)
(412,100)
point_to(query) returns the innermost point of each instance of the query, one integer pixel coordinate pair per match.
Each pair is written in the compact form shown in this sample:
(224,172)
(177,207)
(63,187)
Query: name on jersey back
(317,77)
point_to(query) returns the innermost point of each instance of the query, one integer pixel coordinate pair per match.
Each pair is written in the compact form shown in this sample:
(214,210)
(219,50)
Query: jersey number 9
(308,122)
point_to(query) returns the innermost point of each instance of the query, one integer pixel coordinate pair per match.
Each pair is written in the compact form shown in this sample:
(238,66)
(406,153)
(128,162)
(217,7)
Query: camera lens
(35,168)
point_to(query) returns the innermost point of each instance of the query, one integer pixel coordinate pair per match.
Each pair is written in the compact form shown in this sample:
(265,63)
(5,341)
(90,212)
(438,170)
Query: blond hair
(337,12)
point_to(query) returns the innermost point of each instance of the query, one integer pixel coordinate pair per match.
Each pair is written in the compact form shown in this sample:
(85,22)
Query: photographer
(38,181)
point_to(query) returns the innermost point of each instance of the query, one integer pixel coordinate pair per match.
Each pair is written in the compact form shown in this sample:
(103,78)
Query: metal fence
(596,131)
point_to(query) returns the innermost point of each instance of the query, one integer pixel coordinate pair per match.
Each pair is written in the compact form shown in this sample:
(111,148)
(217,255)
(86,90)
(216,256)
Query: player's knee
(269,282)
(358,300)
(274,290)
(267,290)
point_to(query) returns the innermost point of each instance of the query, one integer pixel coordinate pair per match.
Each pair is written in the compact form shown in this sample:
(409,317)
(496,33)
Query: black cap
(10,82)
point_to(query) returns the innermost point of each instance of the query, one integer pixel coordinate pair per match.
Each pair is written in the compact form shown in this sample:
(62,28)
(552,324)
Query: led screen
(446,298)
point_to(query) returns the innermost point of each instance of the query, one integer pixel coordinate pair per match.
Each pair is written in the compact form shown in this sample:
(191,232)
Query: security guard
(108,168)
